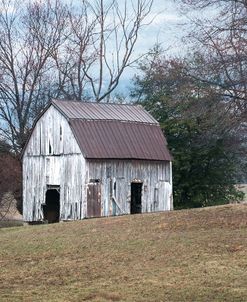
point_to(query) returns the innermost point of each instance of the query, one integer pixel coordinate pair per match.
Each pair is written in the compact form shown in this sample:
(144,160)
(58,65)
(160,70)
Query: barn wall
(156,189)
(53,158)
(52,136)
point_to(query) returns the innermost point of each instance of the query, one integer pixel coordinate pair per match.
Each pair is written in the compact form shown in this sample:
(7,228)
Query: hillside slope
(192,255)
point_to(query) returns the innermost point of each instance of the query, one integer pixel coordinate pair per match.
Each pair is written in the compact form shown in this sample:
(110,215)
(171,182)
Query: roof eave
(129,159)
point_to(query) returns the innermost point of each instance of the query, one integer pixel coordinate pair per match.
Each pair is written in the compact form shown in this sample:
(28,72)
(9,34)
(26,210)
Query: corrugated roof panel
(104,111)
(120,140)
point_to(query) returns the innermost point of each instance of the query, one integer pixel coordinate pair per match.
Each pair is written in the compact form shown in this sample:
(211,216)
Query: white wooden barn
(89,160)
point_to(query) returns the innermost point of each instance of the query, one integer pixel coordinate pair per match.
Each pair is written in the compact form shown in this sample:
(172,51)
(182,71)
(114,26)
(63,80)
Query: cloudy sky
(165,29)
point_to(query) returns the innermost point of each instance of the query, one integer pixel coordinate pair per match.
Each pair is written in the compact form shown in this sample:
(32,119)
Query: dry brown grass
(192,255)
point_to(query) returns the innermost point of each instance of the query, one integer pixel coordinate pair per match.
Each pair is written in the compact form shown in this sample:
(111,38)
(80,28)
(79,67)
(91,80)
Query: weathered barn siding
(115,177)
(90,160)
(52,136)
(53,158)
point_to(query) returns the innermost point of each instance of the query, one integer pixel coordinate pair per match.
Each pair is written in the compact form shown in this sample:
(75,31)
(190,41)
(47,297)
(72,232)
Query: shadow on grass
(10,223)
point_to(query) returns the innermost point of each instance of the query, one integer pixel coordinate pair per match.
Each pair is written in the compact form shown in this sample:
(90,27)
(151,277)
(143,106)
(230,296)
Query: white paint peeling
(53,159)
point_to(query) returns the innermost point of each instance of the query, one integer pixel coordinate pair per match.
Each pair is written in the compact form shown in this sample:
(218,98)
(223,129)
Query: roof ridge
(98,103)
(111,120)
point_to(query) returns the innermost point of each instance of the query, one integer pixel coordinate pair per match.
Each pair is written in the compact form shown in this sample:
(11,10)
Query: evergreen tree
(201,132)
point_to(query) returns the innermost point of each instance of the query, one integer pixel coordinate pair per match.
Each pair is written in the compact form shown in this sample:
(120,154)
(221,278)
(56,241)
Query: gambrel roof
(104,111)
(114,131)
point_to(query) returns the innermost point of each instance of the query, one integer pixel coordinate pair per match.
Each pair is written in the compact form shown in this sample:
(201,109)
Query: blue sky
(165,29)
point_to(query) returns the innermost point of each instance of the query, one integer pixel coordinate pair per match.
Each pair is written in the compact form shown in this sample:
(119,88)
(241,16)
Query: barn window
(50,148)
(61,133)
(53,187)
(94,180)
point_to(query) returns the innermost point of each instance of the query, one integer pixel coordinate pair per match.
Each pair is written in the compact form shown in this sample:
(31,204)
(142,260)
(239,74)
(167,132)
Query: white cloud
(163,17)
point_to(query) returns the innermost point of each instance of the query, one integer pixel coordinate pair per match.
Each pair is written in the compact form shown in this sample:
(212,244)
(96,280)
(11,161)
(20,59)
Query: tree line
(52,49)
(200,100)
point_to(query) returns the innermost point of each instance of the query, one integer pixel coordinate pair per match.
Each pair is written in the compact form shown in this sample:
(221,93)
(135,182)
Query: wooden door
(94,199)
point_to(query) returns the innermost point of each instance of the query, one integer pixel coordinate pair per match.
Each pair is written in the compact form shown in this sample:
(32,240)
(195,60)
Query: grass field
(192,255)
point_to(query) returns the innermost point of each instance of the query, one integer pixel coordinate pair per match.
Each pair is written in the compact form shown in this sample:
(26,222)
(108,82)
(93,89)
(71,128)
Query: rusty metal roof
(112,131)
(103,111)
(120,140)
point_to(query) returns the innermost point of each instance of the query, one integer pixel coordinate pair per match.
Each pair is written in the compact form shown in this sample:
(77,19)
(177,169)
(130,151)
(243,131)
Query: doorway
(136,198)
(94,198)
(51,209)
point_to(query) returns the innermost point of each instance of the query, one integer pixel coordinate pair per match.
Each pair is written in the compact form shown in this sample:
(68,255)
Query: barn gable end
(51,135)
(52,159)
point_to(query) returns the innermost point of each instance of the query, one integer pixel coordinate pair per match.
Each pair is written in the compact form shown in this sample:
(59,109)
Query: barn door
(94,199)
(51,208)
(136,198)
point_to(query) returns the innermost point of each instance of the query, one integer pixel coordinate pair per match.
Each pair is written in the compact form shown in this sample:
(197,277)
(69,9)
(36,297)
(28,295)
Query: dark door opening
(136,198)
(51,209)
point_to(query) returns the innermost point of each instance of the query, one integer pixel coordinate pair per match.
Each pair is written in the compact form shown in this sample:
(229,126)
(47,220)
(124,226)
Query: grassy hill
(192,255)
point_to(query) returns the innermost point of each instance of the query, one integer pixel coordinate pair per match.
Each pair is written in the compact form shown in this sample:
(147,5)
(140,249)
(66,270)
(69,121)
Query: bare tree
(29,36)
(99,47)
(51,49)
(222,37)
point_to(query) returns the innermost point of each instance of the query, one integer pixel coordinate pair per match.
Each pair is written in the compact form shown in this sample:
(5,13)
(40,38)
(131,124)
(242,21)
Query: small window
(49,147)
(94,180)
(61,133)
